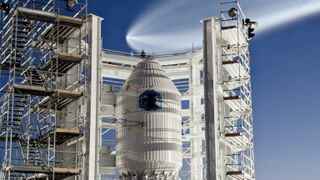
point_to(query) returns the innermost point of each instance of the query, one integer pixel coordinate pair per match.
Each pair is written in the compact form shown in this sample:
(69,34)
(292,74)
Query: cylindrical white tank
(149,124)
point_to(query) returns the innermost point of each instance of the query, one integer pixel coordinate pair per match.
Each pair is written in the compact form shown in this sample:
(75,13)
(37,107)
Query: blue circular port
(150,100)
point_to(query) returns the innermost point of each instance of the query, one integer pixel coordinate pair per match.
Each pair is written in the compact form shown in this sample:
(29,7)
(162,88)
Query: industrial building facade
(59,88)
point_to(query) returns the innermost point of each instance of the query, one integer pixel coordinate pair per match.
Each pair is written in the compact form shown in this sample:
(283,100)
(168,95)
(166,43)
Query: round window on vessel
(150,100)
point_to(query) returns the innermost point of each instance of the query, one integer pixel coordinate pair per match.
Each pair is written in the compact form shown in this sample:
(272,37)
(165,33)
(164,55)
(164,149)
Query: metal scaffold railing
(237,100)
(42,65)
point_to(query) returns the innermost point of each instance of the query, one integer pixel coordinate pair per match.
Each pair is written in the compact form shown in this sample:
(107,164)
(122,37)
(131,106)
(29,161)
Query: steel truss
(42,70)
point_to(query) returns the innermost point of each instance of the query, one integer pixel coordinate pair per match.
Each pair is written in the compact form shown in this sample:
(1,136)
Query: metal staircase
(42,63)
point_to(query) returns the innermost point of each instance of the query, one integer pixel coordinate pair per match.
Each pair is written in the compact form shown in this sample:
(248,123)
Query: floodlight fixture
(4,7)
(233,12)
(71,4)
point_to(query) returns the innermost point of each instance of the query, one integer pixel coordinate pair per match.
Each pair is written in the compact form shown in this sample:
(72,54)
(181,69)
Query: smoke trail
(170,25)
(282,12)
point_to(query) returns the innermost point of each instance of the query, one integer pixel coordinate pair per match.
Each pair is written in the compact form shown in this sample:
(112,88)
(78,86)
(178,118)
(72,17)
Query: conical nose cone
(148,74)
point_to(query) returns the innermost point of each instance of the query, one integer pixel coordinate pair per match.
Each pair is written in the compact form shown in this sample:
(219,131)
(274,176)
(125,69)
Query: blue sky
(285,72)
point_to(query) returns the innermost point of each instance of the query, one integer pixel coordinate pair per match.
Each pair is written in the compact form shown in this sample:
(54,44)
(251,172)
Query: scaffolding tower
(229,121)
(43,60)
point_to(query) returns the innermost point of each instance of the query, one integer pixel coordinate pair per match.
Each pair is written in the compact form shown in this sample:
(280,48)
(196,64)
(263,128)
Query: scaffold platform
(49,17)
(44,172)
(62,62)
(43,91)
(239,175)
(60,135)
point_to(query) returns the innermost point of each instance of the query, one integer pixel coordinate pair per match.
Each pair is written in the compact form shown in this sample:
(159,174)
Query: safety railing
(239,162)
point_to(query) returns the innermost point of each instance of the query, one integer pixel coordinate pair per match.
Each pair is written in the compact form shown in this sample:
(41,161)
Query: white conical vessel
(149,125)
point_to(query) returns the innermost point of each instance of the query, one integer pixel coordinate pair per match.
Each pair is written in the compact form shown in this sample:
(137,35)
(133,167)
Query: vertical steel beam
(212,54)
(196,159)
(91,140)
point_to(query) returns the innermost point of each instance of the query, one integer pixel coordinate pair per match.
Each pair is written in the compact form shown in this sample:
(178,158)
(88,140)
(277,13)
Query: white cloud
(170,25)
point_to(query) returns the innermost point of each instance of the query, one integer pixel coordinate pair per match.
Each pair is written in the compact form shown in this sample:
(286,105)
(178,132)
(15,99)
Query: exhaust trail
(173,25)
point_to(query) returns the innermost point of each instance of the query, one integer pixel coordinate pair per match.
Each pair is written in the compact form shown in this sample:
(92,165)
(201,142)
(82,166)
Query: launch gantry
(58,95)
